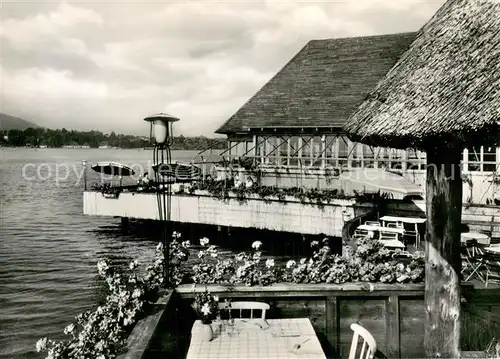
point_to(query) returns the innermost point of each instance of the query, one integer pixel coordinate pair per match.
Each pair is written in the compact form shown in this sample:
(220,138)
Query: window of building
(316,151)
(490,163)
(368,156)
(294,151)
(474,160)
(343,151)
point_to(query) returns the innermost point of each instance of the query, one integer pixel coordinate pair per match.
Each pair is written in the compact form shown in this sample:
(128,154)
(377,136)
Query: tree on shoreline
(37,137)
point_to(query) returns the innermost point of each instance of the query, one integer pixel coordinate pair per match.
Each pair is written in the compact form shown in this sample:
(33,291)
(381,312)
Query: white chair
(369,347)
(251,306)
(373,223)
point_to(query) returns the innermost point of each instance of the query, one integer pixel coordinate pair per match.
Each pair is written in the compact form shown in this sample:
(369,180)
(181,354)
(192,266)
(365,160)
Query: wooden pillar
(442,253)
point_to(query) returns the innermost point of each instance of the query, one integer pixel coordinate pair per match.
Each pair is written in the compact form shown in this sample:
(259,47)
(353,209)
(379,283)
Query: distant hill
(8,122)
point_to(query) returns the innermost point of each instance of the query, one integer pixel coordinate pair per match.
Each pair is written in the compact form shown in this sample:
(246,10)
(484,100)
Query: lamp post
(84,164)
(162,132)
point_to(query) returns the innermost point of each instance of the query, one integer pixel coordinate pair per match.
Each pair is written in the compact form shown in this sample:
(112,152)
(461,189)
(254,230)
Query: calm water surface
(48,248)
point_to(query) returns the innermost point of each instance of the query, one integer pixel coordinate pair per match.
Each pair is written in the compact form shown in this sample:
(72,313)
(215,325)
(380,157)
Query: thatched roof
(445,88)
(321,85)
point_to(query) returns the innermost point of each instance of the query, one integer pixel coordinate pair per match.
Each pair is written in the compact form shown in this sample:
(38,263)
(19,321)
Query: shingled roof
(444,89)
(321,85)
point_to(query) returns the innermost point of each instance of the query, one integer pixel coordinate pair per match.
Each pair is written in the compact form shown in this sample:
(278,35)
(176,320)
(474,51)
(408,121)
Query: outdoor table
(481,238)
(493,250)
(409,220)
(368,227)
(248,340)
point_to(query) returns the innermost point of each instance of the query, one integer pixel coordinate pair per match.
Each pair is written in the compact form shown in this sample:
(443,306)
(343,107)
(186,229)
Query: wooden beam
(442,253)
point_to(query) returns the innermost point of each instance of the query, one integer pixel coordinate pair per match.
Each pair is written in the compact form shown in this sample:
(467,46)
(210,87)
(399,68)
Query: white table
(250,341)
(481,238)
(412,220)
(493,249)
(368,227)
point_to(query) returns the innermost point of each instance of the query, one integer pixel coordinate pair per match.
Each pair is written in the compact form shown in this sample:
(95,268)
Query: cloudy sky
(106,65)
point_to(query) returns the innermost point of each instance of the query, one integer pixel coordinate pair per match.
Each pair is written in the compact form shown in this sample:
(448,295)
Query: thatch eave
(489,135)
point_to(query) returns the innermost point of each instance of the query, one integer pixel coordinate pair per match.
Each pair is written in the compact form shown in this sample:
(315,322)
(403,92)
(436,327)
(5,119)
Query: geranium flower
(133,265)
(291,263)
(102,267)
(41,344)
(69,329)
(256,245)
(205,309)
(270,263)
(204,241)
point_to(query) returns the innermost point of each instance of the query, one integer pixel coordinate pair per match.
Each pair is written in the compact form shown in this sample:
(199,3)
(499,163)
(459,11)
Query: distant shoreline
(102,148)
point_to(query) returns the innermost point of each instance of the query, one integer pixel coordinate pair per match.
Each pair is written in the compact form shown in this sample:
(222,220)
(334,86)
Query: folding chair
(492,265)
(472,261)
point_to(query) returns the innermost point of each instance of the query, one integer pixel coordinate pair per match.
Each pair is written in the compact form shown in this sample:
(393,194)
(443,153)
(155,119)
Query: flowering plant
(102,332)
(206,306)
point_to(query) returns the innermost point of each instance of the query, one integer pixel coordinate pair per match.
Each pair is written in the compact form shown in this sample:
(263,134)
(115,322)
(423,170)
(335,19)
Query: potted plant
(206,307)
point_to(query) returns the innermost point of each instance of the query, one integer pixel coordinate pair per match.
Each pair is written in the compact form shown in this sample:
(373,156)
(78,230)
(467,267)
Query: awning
(374,180)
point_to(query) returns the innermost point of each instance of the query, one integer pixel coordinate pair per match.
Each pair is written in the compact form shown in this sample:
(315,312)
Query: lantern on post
(162,132)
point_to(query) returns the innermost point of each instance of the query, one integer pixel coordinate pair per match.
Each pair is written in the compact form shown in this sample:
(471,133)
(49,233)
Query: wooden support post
(332,323)
(442,253)
(393,336)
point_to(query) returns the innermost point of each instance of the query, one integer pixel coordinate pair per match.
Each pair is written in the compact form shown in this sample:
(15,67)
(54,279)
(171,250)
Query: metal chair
(246,306)
(492,266)
(369,346)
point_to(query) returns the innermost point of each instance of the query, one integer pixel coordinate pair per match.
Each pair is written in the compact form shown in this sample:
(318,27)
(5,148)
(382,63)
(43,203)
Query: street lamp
(84,164)
(161,126)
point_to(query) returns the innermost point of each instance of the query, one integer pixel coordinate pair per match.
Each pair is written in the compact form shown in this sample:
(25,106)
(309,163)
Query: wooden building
(292,127)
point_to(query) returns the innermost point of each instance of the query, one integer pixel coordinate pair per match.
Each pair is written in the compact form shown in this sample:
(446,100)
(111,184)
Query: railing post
(393,333)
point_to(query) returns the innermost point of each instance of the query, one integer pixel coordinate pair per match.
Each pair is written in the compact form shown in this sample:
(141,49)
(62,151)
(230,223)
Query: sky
(106,65)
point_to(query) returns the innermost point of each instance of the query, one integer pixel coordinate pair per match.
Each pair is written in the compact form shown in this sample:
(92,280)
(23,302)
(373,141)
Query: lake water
(48,248)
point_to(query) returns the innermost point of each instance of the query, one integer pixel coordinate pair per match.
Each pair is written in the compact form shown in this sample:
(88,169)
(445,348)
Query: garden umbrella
(113,169)
(442,96)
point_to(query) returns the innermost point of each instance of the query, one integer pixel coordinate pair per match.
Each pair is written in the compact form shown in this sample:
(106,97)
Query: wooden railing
(393,313)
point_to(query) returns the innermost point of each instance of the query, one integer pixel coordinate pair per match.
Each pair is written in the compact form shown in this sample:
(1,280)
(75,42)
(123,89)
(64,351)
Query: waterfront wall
(289,215)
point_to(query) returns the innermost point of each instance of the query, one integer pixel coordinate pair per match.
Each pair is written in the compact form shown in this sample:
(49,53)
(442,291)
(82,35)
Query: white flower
(69,329)
(303,261)
(186,244)
(133,265)
(214,254)
(200,254)
(176,235)
(290,263)
(204,241)
(216,298)
(205,309)
(41,345)
(136,293)
(159,247)
(256,245)
(102,267)
(314,243)
(270,263)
